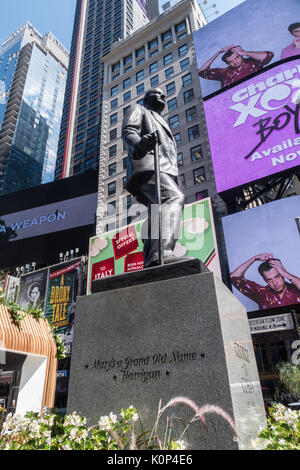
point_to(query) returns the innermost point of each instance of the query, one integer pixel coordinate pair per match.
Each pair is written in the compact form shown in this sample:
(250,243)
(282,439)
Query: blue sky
(58,15)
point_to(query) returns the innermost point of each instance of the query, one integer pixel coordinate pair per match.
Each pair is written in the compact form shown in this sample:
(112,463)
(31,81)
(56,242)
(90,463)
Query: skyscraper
(98,25)
(33,71)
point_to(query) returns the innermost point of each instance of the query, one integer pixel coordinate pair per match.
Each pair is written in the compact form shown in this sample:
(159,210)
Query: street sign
(272,323)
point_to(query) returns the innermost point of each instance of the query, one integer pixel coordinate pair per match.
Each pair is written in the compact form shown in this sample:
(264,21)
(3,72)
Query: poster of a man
(239,63)
(294,48)
(282,288)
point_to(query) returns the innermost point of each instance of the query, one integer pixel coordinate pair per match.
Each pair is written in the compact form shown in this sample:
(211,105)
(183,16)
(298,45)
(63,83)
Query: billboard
(63,288)
(121,251)
(32,289)
(263,249)
(251,90)
(11,289)
(50,218)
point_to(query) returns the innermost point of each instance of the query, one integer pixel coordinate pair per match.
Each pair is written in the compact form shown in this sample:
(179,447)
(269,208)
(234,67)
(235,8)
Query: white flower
(67,447)
(135,417)
(104,423)
(113,417)
(179,445)
(74,420)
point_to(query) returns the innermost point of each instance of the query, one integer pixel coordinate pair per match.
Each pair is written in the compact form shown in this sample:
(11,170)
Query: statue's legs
(172,203)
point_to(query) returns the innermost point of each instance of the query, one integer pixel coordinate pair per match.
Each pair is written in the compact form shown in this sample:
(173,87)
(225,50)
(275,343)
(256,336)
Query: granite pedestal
(184,336)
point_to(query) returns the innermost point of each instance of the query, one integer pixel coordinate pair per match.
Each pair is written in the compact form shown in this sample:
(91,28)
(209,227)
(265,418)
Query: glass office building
(33,75)
(98,25)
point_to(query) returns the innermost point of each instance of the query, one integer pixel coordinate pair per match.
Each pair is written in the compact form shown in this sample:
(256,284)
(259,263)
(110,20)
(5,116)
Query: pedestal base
(186,336)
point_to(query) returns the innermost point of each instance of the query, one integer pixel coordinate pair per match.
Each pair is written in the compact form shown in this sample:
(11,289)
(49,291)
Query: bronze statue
(144,131)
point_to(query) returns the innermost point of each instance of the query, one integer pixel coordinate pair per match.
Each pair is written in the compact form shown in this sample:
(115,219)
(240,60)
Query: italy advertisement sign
(263,254)
(249,70)
(121,251)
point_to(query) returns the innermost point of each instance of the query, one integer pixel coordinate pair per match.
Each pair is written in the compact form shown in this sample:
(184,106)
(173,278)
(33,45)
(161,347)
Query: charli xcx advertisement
(249,69)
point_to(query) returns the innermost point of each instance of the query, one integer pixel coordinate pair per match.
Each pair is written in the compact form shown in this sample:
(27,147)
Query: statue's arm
(137,144)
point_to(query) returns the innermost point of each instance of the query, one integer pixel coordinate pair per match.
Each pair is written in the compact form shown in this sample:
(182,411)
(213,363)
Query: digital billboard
(251,90)
(120,251)
(263,249)
(50,218)
(32,291)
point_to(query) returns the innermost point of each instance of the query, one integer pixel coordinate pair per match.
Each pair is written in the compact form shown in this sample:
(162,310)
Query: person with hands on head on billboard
(294,48)
(277,293)
(240,64)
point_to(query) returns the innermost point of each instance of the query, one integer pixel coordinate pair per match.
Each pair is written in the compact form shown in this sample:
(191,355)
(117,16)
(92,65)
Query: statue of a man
(143,128)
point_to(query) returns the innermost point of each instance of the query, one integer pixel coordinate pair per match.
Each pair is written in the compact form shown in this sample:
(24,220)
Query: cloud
(99,245)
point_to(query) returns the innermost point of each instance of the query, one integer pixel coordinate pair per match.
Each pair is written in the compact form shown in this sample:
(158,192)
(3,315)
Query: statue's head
(155,100)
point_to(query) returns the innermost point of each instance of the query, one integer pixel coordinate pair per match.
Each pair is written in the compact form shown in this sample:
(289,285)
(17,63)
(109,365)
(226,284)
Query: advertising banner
(121,251)
(63,288)
(32,291)
(263,249)
(12,284)
(249,69)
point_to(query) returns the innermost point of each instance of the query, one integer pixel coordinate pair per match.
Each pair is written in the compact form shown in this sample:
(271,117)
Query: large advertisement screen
(63,215)
(263,249)
(121,251)
(249,69)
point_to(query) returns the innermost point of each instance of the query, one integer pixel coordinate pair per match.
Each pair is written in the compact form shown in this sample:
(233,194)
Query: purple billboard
(260,135)
(249,69)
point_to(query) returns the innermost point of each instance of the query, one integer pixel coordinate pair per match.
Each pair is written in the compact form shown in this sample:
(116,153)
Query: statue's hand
(146,143)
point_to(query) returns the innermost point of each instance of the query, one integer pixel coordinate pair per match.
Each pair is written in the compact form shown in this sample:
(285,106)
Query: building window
(182,50)
(171,88)
(180,159)
(199,175)
(126,83)
(115,67)
(127,60)
(113,119)
(196,153)
(153,43)
(172,104)
(139,52)
(153,67)
(112,169)
(174,121)
(114,90)
(111,208)
(139,75)
(153,53)
(125,110)
(111,188)
(187,79)
(188,95)
(177,138)
(168,44)
(168,59)
(185,64)
(112,151)
(113,134)
(140,61)
(124,182)
(127,96)
(125,162)
(182,36)
(154,81)
(191,114)
(140,89)
(166,35)
(193,133)
(180,27)
(114,104)
(169,73)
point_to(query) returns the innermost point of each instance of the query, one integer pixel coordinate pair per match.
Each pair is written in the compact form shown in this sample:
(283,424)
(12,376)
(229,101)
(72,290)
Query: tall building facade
(33,72)
(98,25)
(163,55)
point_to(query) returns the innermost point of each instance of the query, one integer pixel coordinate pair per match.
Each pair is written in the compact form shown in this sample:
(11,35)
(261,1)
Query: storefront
(27,364)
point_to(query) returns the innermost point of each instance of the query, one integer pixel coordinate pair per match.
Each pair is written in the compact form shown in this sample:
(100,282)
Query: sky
(58,15)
